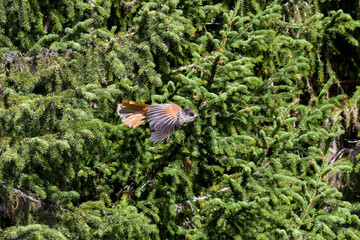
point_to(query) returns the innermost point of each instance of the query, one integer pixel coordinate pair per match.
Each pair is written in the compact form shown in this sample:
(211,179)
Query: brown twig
(186,67)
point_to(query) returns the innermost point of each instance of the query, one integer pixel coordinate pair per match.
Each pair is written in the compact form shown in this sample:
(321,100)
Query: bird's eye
(191,114)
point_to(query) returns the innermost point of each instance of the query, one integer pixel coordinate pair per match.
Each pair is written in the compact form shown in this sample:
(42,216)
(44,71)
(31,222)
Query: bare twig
(351,152)
(21,194)
(12,200)
(186,67)
(179,206)
(258,171)
(129,4)
(129,34)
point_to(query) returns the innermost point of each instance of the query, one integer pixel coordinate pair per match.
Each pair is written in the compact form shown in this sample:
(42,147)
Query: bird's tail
(132,113)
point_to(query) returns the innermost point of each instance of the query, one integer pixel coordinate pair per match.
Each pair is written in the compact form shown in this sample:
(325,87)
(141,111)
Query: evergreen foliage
(258,164)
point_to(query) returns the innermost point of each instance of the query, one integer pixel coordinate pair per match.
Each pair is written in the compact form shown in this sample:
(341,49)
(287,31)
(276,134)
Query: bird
(164,119)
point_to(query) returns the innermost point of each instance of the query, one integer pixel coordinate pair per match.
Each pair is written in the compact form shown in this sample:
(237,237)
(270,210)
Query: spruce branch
(274,134)
(230,24)
(315,192)
(213,72)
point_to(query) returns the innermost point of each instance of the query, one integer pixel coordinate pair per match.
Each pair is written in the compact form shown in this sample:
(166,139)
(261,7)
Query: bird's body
(164,119)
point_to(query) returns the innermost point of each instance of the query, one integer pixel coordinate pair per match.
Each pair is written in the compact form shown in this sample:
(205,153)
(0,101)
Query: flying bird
(164,119)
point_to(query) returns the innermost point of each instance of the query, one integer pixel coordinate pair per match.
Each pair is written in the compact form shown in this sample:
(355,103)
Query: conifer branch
(230,24)
(309,203)
(274,134)
(315,191)
(213,72)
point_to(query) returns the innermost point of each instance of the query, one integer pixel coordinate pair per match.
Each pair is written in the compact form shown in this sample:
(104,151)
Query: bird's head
(189,115)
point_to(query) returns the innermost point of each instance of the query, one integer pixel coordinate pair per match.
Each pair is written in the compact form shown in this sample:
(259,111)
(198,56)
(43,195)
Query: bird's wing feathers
(161,116)
(163,120)
(157,136)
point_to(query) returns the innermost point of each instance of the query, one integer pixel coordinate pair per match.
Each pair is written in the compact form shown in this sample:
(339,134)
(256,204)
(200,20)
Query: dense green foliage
(266,77)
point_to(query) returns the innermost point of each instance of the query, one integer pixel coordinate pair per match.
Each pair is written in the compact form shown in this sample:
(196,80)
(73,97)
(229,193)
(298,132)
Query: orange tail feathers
(132,113)
(131,105)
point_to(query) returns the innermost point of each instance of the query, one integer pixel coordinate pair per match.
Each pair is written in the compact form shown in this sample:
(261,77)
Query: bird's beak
(196,116)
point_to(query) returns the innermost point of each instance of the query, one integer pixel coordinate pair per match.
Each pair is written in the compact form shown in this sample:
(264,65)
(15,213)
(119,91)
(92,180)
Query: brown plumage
(164,119)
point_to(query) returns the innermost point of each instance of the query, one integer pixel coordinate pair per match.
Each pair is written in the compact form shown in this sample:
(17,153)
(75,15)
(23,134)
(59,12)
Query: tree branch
(186,67)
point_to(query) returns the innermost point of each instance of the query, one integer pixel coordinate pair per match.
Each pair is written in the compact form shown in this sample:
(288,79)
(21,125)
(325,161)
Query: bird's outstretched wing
(157,136)
(163,120)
